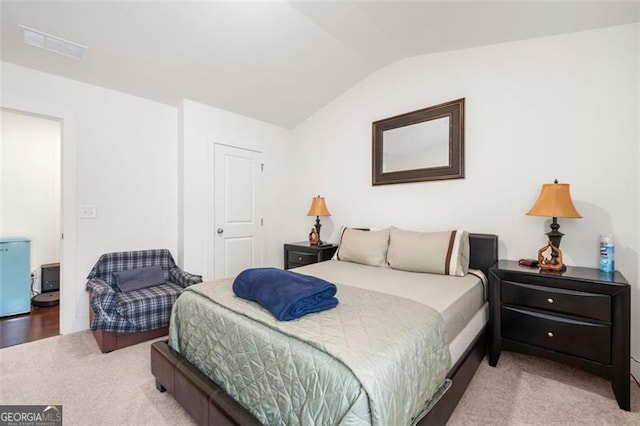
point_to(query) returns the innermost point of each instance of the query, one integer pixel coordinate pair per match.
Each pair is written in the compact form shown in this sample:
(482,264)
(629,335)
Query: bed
(184,375)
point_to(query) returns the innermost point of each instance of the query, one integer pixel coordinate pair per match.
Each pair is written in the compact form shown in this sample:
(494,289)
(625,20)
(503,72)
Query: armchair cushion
(147,308)
(135,279)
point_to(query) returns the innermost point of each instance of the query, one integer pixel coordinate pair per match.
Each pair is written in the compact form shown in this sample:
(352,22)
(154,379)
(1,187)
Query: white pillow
(445,253)
(365,247)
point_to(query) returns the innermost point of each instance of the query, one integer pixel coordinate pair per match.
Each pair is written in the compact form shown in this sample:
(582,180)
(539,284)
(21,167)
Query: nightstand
(579,317)
(300,254)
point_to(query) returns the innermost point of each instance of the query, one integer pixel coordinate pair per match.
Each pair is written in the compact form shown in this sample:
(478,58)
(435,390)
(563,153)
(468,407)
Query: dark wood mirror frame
(454,170)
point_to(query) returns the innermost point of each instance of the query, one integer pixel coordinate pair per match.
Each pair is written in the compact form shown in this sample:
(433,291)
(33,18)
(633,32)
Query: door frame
(211,220)
(70,320)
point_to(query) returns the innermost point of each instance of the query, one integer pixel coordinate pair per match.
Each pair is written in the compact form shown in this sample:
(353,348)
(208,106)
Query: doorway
(237,231)
(30,207)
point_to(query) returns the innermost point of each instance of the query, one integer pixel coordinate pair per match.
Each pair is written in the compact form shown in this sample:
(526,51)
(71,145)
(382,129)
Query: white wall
(30,184)
(562,107)
(119,153)
(635,296)
(202,127)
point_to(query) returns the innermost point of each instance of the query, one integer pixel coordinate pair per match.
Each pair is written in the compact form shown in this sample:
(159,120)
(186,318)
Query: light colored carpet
(525,390)
(118,388)
(94,388)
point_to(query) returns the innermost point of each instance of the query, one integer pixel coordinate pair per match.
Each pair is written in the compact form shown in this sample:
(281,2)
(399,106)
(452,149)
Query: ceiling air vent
(52,43)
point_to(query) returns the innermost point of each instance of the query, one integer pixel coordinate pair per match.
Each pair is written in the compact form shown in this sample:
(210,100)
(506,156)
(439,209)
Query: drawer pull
(300,258)
(550,334)
(550,300)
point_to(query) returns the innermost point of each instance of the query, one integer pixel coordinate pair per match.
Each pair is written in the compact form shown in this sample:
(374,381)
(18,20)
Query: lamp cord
(634,378)
(33,280)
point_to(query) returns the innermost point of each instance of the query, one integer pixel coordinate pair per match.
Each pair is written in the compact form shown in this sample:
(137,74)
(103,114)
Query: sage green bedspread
(374,359)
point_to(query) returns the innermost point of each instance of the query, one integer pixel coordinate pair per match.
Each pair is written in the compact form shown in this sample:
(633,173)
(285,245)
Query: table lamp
(318,208)
(554,201)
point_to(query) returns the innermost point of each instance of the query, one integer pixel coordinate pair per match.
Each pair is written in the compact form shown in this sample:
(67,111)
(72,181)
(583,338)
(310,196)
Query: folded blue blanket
(287,295)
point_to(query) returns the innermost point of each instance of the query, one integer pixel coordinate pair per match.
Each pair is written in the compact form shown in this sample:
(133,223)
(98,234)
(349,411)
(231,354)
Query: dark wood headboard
(483,251)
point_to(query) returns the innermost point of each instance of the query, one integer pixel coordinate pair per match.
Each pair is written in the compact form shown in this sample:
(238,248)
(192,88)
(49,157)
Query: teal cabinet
(15,276)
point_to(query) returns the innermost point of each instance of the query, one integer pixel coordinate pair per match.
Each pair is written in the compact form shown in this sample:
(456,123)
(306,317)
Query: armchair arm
(184,279)
(102,299)
(98,287)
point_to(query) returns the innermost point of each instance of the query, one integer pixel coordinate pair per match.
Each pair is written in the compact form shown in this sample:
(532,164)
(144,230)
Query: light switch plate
(88,212)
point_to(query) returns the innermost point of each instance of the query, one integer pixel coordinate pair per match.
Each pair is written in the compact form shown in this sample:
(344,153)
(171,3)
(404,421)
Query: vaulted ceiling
(277,61)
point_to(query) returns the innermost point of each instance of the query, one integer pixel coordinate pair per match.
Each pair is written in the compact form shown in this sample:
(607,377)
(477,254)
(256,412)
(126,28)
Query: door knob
(220,230)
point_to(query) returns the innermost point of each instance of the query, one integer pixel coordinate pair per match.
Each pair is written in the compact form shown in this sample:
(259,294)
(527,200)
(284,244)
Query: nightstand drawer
(300,258)
(570,336)
(596,306)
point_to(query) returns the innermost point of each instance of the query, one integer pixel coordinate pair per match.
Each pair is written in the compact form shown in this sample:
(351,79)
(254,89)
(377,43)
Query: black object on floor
(42,300)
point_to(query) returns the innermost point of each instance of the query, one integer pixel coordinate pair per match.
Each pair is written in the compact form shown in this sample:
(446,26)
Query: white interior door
(237,212)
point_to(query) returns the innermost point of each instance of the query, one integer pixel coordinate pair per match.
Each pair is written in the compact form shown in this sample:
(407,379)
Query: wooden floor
(39,324)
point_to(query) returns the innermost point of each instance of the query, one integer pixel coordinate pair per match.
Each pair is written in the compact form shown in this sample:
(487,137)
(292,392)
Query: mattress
(273,393)
(457,299)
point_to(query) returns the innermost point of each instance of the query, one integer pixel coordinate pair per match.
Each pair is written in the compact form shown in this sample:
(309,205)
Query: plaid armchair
(137,310)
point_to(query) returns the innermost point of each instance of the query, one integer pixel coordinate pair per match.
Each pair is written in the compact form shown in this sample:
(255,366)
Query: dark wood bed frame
(209,404)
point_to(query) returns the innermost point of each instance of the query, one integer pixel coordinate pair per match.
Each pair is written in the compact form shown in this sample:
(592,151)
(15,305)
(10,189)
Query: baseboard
(635,369)
(79,323)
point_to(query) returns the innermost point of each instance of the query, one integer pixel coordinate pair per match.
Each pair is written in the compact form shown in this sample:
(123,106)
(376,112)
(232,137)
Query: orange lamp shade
(554,201)
(318,207)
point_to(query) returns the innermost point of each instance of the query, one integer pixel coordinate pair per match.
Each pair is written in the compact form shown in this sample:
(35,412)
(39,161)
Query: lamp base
(550,258)
(555,236)
(318,225)
(562,268)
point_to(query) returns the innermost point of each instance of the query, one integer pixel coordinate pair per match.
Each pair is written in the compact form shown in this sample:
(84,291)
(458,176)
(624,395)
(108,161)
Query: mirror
(422,145)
